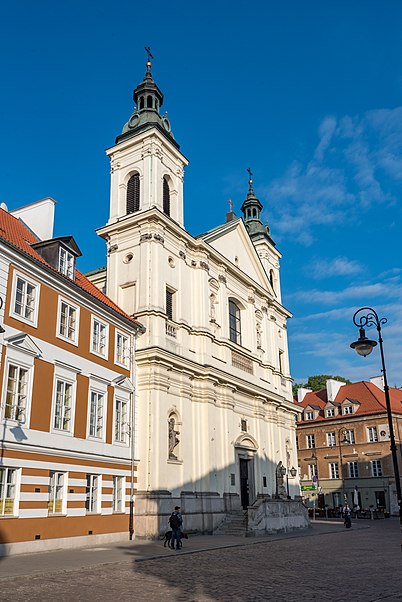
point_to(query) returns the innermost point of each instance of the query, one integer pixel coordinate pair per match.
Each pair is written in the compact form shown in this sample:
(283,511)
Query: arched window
(254,212)
(141,102)
(149,102)
(166,197)
(133,194)
(234,323)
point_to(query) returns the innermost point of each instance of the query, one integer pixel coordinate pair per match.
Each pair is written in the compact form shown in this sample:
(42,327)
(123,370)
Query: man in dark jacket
(176,522)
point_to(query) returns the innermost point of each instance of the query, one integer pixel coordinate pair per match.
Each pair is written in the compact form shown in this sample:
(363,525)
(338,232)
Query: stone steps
(234,524)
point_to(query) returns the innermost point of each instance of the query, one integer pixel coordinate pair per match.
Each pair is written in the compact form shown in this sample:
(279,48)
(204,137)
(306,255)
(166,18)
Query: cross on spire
(149,56)
(230,204)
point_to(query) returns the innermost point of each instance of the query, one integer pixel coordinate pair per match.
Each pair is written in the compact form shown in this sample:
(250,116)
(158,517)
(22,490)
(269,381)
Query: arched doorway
(246,448)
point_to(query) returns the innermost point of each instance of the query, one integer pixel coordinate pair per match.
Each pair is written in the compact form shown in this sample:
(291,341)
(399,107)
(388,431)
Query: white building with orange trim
(67,393)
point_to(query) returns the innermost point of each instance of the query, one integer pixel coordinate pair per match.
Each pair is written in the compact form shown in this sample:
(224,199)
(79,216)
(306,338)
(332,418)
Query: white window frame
(310,441)
(309,415)
(57,503)
(329,412)
(96,346)
(372,434)
(9,485)
(96,422)
(93,493)
(376,468)
(331,439)
(59,334)
(121,420)
(350,436)
(66,262)
(312,471)
(347,410)
(72,385)
(353,470)
(18,410)
(31,321)
(125,351)
(333,470)
(119,494)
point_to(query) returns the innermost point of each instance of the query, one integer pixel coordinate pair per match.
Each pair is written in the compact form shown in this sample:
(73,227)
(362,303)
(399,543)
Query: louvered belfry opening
(169,304)
(166,197)
(133,194)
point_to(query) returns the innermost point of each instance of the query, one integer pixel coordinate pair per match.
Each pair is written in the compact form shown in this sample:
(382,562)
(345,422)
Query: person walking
(176,522)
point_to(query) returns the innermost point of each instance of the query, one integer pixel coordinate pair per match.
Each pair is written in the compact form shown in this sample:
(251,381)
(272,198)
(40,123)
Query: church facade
(214,398)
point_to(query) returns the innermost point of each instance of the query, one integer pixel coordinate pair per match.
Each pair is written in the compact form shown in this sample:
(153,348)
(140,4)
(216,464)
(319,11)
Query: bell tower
(147,167)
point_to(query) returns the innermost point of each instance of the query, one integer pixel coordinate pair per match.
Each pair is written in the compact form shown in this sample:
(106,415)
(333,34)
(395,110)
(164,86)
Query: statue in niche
(280,475)
(258,332)
(212,313)
(173,438)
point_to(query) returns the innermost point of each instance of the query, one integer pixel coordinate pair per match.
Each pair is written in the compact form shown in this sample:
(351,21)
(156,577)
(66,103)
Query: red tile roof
(15,232)
(371,400)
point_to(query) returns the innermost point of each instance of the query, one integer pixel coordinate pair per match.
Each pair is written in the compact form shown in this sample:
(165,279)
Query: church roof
(14,232)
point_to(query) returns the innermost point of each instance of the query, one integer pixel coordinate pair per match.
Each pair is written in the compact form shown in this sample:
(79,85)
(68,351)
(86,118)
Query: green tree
(318,382)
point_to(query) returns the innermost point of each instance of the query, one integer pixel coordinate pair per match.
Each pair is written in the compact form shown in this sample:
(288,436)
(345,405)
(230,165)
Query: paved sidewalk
(139,550)
(326,563)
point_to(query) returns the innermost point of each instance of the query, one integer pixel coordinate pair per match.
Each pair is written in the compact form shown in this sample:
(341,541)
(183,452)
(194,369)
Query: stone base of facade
(268,515)
(61,543)
(203,512)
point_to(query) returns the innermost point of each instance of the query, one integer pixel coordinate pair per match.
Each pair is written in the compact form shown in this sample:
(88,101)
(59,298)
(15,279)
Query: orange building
(344,446)
(67,393)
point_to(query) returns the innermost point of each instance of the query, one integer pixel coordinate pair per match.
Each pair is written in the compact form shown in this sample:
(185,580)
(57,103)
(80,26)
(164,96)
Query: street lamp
(364,346)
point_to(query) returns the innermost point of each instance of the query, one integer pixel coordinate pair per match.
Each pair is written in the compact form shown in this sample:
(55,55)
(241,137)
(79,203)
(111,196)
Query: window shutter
(133,194)
(166,197)
(169,304)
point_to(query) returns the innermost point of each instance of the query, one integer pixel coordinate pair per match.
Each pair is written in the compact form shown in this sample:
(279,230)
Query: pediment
(25,343)
(233,242)
(246,441)
(123,382)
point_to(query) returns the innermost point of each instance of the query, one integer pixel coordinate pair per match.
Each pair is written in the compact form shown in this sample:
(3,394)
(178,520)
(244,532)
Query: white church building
(215,414)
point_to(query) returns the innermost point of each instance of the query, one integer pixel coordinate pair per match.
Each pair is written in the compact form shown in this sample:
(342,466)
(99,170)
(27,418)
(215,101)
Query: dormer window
(329,412)
(309,415)
(347,410)
(66,263)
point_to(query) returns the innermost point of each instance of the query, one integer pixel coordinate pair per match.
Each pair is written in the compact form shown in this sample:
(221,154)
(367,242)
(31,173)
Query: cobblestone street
(325,564)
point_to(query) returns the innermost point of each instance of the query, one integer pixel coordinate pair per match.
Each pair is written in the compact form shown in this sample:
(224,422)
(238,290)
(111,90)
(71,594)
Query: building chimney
(333,387)
(301,393)
(378,381)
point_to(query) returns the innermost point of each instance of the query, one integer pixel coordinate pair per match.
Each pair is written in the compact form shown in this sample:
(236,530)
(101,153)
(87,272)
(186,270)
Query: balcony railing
(171,329)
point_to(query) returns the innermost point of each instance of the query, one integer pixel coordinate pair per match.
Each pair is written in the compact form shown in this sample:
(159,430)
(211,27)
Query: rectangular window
(56,492)
(66,263)
(16,394)
(331,439)
(68,325)
(372,434)
(376,468)
(8,478)
(96,414)
(349,436)
(243,425)
(120,420)
(122,349)
(333,470)
(310,439)
(92,493)
(63,406)
(99,337)
(118,483)
(234,323)
(312,471)
(330,412)
(353,470)
(25,299)
(347,410)
(169,304)
(309,416)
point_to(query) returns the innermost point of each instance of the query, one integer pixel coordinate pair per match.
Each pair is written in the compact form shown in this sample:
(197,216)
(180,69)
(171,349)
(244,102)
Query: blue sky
(309,95)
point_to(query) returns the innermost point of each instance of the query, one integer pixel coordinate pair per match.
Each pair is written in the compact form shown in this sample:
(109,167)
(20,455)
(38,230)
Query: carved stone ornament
(222,278)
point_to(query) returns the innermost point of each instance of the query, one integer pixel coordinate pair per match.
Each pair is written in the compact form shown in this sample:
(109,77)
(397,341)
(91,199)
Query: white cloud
(356,163)
(338,266)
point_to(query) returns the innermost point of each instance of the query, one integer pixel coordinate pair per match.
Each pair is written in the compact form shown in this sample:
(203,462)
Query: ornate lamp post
(367,316)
